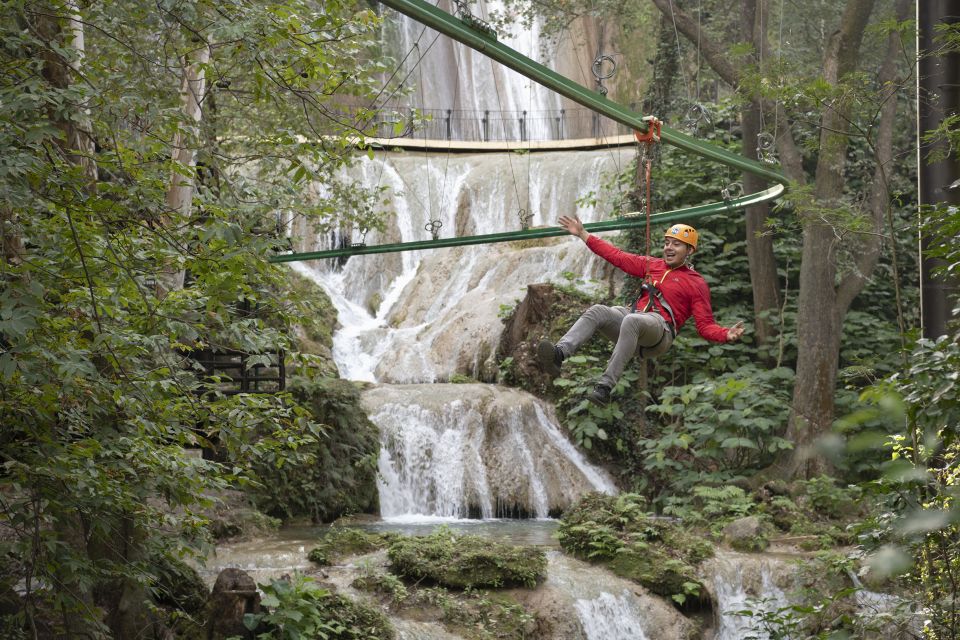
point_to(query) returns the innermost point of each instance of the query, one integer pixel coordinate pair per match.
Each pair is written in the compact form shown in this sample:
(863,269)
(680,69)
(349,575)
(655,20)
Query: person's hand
(734,332)
(573,226)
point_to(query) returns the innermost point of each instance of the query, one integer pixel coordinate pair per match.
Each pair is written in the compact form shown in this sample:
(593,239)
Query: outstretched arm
(734,332)
(574,227)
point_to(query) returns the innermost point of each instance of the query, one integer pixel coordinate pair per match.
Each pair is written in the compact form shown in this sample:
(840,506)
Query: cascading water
(746,583)
(474,450)
(423,317)
(454,83)
(419,317)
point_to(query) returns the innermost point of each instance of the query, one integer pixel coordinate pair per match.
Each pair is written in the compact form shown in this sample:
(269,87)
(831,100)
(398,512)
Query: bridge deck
(468,146)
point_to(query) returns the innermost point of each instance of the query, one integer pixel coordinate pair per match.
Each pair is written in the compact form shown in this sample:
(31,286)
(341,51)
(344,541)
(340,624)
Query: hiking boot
(600,394)
(550,358)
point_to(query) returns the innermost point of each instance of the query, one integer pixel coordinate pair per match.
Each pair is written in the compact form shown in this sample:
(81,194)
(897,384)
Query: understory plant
(297,609)
(618,532)
(717,429)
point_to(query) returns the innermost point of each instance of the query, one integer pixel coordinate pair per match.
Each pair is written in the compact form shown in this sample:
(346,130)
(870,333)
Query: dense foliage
(112,278)
(296,609)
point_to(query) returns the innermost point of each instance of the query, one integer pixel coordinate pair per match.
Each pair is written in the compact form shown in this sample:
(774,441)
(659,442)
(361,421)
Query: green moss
(653,568)
(346,541)
(320,321)
(462,561)
(750,545)
(617,532)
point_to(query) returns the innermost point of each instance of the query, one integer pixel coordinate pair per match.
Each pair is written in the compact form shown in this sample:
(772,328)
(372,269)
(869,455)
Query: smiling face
(675,252)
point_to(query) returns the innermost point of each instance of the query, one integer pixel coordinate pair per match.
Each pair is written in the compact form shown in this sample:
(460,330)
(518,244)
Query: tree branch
(878,201)
(714,54)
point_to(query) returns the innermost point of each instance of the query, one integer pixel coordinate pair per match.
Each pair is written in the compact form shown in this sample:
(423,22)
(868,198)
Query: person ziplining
(672,292)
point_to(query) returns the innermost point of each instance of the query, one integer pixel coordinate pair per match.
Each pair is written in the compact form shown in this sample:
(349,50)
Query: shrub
(334,472)
(298,609)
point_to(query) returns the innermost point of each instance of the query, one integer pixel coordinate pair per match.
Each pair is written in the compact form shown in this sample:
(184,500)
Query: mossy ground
(463,561)
(340,542)
(616,531)
(473,614)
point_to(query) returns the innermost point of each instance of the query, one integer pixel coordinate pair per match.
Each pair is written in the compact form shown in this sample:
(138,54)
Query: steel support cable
(456,29)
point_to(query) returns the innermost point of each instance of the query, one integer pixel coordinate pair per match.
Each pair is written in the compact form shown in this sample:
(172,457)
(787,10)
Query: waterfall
(742,582)
(612,608)
(423,316)
(610,617)
(471,97)
(474,450)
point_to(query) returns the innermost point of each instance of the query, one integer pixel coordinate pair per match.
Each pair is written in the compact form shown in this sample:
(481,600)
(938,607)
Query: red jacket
(684,289)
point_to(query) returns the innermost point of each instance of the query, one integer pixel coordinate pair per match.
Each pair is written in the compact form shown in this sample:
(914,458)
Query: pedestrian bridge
(472,131)
(480,146)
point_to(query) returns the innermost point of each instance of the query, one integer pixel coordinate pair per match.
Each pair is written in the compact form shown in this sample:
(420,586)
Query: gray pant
(644,333)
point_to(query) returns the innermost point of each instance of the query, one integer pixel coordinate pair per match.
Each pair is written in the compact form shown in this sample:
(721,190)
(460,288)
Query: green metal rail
(487,44)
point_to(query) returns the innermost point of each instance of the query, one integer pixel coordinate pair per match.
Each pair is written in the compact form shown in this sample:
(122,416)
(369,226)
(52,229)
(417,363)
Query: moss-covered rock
(317,321)
(460,561)
(616,531)
(346,541)
(651,567)
(474,614)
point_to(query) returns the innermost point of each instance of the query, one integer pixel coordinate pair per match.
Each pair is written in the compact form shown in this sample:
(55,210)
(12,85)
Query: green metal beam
(485,43)
(460,31)
(627,221)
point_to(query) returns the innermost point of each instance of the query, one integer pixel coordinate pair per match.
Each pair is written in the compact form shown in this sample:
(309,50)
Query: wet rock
(554,618)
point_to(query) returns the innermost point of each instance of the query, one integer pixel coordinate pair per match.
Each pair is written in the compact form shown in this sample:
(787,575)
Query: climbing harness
(654,293)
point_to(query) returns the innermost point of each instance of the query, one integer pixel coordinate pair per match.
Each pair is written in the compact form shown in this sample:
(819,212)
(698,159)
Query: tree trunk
(180,192)
(762,262)
(60,33)
(819,316)
(818,339)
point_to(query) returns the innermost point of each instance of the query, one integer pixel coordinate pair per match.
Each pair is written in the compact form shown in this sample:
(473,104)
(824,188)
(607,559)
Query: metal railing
(494,126)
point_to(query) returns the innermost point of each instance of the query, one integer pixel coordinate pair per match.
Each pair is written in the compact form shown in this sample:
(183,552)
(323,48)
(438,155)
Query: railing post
(523,125)
(449,130)
(486,126)
(596,124)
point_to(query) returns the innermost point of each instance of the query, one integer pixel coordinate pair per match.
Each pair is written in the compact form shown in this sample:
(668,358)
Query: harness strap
(656,294)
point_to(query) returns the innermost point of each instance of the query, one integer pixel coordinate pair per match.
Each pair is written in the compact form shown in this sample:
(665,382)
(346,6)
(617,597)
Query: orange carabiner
(653,131)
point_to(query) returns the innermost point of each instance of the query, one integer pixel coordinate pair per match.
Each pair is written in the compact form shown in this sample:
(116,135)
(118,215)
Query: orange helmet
(683,233)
